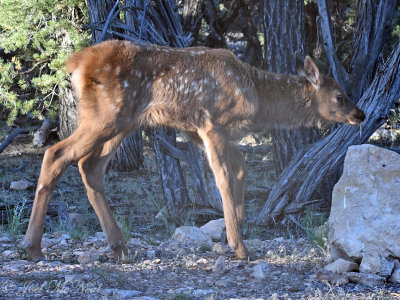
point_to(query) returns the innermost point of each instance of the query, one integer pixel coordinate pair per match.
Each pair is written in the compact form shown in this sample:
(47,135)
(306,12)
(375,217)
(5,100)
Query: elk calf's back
(207,93)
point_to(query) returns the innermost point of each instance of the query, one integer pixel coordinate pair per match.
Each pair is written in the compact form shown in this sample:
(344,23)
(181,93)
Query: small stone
(219,266)
(121,294)
(191,234)
(341,265)
(63,243)
(334,279)
(395,278)
(15,266)
(258,270)
(100,235)
(10,254)
(214,228)
(153,253)
(5,240)
(367,279)
(221,283)
(73,278)
(88,257)
(219,248)
(373,263)
(58,234)
(20,185)
(162,214)
(202,293)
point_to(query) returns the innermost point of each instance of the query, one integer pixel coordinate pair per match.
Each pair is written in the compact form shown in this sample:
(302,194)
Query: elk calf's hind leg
(218,151)
(56,160)
(92,168)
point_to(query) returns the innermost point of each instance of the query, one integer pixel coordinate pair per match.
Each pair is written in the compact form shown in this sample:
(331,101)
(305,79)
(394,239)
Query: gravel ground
(81,269)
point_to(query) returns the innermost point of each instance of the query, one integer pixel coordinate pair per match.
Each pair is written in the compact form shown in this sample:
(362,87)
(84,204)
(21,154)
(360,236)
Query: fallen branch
(8,140)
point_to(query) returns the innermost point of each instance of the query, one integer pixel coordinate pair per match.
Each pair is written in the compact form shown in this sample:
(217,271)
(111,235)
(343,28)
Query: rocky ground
(81,269)
(289,264)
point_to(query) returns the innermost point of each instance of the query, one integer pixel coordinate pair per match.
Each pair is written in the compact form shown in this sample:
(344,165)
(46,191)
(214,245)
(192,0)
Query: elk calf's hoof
(118,249)
(34,252)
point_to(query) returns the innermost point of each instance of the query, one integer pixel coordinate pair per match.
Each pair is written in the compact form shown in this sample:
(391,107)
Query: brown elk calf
(207,93)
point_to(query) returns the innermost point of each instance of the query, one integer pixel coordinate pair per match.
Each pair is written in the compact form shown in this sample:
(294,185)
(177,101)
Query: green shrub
(37,36)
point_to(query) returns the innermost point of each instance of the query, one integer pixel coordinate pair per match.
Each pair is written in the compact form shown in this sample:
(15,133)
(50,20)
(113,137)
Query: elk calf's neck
(207,93)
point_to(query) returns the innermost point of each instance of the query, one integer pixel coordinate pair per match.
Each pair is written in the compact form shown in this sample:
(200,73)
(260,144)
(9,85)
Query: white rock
(191,234)
(341,265)
(366,206)
(20,185)
(214,228)
(219,266)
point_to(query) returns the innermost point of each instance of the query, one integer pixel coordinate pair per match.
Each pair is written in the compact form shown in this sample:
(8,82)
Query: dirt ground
(288,265)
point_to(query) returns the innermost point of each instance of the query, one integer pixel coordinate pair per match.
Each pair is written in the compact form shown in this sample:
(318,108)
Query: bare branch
(338,70)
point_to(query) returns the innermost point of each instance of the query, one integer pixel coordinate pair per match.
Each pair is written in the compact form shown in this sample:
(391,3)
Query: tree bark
(98,13)
(310,167)
(283,23)
(169,168)
(373,22)
(68,113)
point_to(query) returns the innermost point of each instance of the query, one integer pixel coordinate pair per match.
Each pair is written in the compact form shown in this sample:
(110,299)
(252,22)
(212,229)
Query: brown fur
(208,93)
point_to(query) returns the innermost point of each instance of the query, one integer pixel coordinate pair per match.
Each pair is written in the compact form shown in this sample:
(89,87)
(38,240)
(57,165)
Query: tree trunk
(283,35)
(68,113)
(310,167)
(169,168)
(98,13)
(300,179)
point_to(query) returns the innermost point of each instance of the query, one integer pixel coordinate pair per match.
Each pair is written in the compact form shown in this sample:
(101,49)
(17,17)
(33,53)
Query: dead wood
(9,139)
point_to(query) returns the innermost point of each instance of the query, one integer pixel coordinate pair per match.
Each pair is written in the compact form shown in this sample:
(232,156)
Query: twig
(109,19)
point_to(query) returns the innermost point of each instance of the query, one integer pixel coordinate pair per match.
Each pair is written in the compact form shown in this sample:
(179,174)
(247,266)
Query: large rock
(365,210)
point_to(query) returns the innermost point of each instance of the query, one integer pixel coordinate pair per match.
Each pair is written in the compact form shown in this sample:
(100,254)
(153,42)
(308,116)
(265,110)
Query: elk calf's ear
(312,73)
(299,64)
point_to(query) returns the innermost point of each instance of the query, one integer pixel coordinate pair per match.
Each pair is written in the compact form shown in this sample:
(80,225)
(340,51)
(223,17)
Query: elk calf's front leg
(217,149)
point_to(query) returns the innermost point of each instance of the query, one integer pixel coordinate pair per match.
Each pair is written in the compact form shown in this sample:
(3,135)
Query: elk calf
(207,93)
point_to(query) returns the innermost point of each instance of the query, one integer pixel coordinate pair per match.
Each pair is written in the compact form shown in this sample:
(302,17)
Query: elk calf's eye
(339,98)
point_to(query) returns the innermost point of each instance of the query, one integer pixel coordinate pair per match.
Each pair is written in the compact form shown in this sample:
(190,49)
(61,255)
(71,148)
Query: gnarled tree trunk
(283,23)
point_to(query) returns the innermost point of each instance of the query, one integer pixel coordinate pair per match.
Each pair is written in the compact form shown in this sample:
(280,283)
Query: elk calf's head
(329,100)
